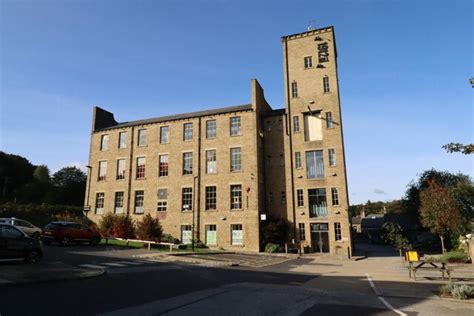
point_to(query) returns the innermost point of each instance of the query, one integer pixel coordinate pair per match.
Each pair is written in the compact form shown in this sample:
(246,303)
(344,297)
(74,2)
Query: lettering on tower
(323,52)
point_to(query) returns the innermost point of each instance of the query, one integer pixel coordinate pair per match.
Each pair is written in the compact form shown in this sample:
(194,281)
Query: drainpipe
(198,208)
(130,170)
(290,134)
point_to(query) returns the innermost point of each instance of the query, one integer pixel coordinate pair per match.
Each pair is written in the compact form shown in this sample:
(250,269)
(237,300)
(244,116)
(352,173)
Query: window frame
(161,203)
(142,136)
(326,87)
(118,199)
(329,120)
(122,140)
(210,135)
(332,157)
(321,205)
(139,202)
(211,154)
(188,131)
(140,171)
(296,124)
(318,159)
(335,196)
(337,231)
(211,198)
(99,201)
(121,173)
(235,126)
(294,89)
(298,161)
(163,171)
(165,135)
(102,171)
(308,62)
(236,192)
(235,159)
(104,142)
(300,197)
(187,163)
(302,231)
(236,228)
(186,196)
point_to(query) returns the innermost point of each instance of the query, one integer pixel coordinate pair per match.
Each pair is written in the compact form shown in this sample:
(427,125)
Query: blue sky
(403,69)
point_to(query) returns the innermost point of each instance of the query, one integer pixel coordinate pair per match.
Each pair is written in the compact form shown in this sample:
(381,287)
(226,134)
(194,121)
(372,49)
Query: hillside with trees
(30,192)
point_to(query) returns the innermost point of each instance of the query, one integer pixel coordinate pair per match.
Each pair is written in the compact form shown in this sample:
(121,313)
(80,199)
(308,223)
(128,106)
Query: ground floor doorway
(320,237)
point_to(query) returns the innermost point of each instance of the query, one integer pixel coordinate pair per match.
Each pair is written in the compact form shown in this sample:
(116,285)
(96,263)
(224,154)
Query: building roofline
(183,116)
(307,33)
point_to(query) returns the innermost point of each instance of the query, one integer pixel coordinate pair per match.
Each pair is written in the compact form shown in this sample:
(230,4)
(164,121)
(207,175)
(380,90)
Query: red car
(67,232)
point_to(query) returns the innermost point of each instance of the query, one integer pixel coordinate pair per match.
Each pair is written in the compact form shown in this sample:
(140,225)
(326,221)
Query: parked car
(23,225)
(15,244)
(67,232)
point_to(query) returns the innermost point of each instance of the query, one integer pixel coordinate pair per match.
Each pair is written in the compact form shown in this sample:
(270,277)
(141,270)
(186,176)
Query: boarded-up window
(313,127)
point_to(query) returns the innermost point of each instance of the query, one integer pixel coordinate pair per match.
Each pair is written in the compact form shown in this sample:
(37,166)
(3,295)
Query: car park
(23,225)
(16,245)
(68,232)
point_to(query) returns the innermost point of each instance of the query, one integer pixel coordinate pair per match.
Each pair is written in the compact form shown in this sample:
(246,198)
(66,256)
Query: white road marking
(383,300)
(92,266)
(147,261)
(132,263)
(112,264)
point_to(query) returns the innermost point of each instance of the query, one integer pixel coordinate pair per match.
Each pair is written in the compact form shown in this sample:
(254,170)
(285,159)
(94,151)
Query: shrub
(183,247)
(272,248)
(107,224)
(463,292)
(459,291)
(275,231)
(123,227)
(149,228)
(169,238)
(455,257)
(446,289)
(200,244)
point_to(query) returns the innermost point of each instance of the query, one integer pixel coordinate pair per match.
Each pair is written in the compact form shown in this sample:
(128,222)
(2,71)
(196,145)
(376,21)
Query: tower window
(294,89)
(332,157)
(329,122)
(296,124)
(298,160)
(326,84)
(308,62)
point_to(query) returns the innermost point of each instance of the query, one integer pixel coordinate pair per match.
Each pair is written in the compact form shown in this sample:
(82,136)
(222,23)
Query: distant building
(222,173)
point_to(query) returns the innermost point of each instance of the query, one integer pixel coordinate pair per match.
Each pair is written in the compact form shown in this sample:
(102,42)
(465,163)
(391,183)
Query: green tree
(70,186)
(439,211)
(275,231)
(459,148)
(393,235)
(149,228)
(15,173)
(411,202)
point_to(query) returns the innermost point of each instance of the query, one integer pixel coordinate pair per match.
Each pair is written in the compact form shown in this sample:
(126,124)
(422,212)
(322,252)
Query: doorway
(320,237)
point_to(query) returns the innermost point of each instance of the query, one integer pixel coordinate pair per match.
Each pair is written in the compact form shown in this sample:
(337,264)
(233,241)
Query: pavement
(21,273)
(138,282)
(222,259)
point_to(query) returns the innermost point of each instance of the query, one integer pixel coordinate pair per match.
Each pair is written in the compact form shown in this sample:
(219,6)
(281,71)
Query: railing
(149,242)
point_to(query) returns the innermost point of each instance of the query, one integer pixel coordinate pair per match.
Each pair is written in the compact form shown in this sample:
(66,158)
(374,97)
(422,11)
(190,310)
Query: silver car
(23,225)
